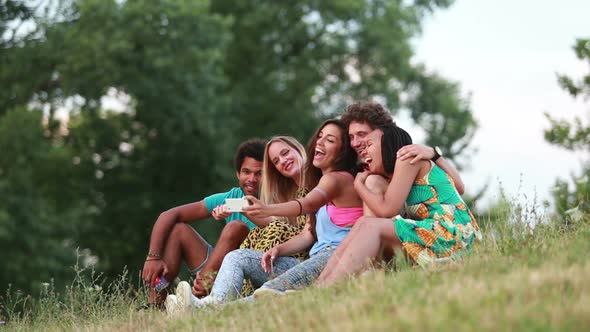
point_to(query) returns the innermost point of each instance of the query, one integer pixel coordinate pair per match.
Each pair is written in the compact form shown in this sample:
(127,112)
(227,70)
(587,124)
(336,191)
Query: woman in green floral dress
(420,211)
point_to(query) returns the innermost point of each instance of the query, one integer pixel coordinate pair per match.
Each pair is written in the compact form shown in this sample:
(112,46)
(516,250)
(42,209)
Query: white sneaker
(267,292)
(171,305)
(184,295)
(205,301)
(186,298)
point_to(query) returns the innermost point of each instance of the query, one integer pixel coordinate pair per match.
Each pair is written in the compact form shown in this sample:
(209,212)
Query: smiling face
(327,147)
(357,132)
(285,159)
(249,176)
(373,155)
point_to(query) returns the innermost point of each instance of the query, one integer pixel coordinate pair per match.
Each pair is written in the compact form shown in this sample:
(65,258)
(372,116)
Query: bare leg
(359,249)
(183,243)
(352,237)
(230,239)
(378,185)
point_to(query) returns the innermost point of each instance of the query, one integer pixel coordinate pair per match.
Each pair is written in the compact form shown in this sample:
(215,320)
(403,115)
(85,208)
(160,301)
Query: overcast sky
(506,54)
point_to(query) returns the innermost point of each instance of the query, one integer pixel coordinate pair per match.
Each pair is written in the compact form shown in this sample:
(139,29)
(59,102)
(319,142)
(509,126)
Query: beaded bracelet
(152,256)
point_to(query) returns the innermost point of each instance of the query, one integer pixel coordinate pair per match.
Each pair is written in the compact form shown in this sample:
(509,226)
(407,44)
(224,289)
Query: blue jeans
(245,263)
(302,274)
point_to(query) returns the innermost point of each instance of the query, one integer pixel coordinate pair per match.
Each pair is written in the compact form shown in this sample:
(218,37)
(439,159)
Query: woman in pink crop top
(344,216)
(330,171)
(339,215)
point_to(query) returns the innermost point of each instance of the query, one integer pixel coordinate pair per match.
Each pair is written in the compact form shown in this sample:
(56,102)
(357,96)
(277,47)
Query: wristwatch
(437,153)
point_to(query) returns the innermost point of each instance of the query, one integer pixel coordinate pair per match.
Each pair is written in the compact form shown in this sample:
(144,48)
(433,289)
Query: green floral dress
(437,225)
(276,232)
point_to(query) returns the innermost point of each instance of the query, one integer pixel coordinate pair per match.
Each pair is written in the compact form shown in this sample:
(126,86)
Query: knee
(180,231)
(234,228)
(362,222)
(236,225)
(376,183)
(232,257)
(368,224)
(379,227)
(235,258)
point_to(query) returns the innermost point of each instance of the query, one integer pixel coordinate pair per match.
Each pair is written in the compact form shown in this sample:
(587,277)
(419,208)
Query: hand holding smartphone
(235,204)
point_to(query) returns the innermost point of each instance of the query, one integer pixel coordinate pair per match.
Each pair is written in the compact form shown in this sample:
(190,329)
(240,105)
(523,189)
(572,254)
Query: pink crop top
(344,216)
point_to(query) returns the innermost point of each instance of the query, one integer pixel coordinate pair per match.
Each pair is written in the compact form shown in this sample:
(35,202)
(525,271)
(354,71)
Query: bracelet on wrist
(153,256)
(300,207)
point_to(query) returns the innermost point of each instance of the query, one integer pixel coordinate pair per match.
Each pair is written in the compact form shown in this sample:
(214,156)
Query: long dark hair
(393,139)
(345,161)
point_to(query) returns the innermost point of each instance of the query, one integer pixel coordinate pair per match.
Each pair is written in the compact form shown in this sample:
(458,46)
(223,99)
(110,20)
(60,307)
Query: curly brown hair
(373,114)
(253,148)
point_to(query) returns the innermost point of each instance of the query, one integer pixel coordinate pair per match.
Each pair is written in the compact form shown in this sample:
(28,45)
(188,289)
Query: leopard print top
(276,232)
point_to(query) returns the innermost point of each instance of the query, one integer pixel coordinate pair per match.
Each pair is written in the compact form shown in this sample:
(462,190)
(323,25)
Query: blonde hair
(275,187)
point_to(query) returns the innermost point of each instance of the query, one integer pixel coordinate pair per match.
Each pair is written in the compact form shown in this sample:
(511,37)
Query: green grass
(514,280)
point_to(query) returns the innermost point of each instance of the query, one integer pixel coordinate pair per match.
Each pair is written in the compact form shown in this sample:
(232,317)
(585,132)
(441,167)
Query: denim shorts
(202,265)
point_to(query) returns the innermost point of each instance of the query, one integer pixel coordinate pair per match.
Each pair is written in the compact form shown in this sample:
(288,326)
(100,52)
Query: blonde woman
(282,181)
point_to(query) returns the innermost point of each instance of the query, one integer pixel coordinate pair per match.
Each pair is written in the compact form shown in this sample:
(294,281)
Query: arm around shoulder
(448,167)
(416,152)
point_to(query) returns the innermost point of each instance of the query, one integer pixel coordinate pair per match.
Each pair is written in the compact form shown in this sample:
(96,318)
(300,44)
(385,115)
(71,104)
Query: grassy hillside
(514,280)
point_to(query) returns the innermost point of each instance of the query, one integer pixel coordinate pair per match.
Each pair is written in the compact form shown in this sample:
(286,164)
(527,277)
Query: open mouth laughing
(319,153)
(250,187)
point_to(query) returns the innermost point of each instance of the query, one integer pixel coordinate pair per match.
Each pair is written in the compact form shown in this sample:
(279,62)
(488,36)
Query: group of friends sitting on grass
(359,194)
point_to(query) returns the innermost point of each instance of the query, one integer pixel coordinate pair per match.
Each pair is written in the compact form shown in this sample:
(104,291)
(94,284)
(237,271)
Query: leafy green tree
(12,11)
(35,202)
(291,63)
(574,136)
(127,166)
(158,153)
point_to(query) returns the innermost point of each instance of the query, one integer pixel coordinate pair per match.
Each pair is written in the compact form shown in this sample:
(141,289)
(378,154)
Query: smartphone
(235,204)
